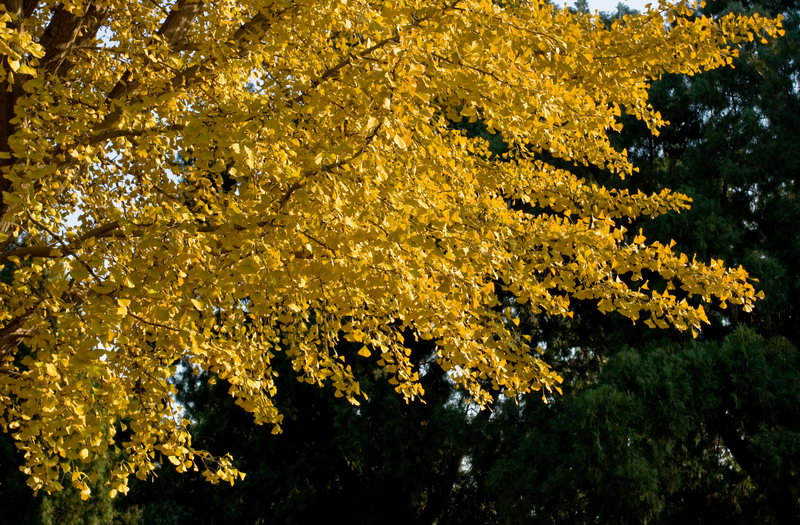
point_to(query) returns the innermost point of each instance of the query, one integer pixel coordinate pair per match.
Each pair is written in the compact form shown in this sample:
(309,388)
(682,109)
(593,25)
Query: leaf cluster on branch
(213,183)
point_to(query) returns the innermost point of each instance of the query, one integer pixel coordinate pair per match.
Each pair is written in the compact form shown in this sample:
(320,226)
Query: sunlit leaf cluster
(211,184)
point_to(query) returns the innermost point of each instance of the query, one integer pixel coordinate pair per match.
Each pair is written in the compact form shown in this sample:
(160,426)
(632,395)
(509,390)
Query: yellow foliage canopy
(353,208)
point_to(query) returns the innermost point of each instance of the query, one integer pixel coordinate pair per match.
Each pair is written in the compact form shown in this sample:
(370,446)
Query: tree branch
(173,29)
(66,32)
(346,61)
(104,230)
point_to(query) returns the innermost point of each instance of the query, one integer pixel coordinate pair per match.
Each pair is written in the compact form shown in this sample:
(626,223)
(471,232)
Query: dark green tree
(657,428)
(384,461)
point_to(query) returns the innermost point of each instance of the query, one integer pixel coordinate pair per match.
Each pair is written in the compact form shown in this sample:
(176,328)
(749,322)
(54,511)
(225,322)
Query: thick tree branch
(173,30)
(67,31)
(178,22)
(28,7)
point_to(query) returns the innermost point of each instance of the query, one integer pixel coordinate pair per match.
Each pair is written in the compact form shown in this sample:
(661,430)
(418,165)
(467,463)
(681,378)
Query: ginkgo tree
(209,184)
